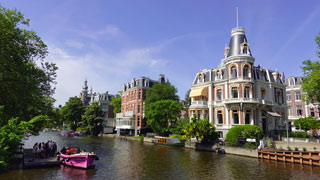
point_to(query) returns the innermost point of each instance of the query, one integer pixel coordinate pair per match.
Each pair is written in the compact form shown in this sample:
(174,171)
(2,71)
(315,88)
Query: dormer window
(291,82)
(245,48)
(233,72)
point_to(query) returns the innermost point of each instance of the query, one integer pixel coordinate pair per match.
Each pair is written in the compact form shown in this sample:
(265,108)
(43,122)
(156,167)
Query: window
(234,92)
(139,108)
(298,95)
(199,114)
(139,95)
(138,121)
(246,71)
(288,96)
(219,94)
(279,96)
(220,118)
(233,72)
(291,82)
(312,112)
(289,111)
(299,110)
(263,93)
(235,117)
(246,92)
(247,117)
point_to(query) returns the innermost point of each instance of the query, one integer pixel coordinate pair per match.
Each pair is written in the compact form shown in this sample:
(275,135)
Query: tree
(311,82)
(204,131)
(162,115)
(26,79)
(307,123)
(72,112)
(187,100)
(116,103)
(161,91)
(92,119)
(178,127)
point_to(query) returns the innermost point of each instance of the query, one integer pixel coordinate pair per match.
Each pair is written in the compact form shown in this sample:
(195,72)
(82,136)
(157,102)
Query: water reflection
(121,159)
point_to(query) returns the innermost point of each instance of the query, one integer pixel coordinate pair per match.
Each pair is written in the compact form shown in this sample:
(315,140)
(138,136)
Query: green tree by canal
(26,82)
(116,103)
(307,123)
(72,112)
(26,78)
(202,130)
(92,119)
(162,108)
(311,82)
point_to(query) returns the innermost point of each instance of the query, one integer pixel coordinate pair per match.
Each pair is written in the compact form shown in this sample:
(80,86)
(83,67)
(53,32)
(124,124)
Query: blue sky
(111,41)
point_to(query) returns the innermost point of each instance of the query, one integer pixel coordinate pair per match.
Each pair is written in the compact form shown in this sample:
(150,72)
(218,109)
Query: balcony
(199,104)
(266,102)
(125,124)
(241,100)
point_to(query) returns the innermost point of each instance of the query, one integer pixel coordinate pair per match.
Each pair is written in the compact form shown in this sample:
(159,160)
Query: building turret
(238,44)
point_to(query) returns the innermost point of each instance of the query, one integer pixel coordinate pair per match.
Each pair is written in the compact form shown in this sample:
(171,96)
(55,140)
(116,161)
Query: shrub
(178,136)
(249,145)
(281,149)
(289,148)
(296,134)
(314,148)
(270,143)
(296,149)
(243,131)
(80,129)
(304,149)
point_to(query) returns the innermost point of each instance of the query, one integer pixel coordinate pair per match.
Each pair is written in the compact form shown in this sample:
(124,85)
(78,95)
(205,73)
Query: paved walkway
(309,146)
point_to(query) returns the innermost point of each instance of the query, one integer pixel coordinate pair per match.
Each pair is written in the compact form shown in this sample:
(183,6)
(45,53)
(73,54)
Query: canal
(121,159)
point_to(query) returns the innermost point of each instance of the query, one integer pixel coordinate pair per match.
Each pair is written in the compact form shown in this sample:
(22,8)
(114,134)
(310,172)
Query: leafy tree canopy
(92,119)
(162,115)
(116,103)
(307,123)
(72,112)
(161,91)
(311,82)
(202,130)
(25,77)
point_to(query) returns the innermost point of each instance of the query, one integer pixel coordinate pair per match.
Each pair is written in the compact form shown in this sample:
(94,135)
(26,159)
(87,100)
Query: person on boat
(35,150)
(63,150)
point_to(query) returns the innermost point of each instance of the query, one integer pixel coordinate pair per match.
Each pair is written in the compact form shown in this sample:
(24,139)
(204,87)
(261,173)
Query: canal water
(121,159)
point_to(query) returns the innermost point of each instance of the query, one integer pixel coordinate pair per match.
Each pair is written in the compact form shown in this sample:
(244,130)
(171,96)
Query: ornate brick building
(238,92)
(132,120)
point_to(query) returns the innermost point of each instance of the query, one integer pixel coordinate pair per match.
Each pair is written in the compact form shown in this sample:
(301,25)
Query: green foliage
(116,104)
(202,130)
(307,123)
(243,131)
(177,128)
(270,142)
(304,149)
(249,145)
(80,129)
(161,91)
(162,115)
(311,85)
(297,134)
(289,148)
(187,101)
(296,148)
(281,148)
(314,148)
(25,77)
(92,119)
(72,112)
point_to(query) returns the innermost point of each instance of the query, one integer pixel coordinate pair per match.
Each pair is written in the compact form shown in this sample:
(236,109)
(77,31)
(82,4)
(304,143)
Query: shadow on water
(122,159)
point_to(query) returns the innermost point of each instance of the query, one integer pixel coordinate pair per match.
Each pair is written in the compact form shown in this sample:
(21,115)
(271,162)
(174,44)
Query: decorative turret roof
(238,43)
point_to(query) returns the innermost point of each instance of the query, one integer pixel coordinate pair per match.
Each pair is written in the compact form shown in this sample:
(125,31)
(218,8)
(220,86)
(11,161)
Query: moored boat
(82,160)
(167,141)
(75,158)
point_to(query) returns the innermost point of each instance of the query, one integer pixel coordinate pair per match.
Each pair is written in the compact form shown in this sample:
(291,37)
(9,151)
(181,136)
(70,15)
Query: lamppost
(287,124)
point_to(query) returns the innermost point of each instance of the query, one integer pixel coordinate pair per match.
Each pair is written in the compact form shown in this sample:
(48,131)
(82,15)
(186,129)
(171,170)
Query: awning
(198,92)
(274,114)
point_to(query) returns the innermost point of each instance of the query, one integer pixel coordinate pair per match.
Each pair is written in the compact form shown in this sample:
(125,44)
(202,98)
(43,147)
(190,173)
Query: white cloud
(104,71)
(107,32)
(74,44)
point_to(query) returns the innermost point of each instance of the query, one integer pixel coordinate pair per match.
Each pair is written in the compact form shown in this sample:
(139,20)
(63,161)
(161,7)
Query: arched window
(246,71)
(234,92)
(219,94)
(233,72)
(220,117)
(219,74)
(235,116)
(246,92)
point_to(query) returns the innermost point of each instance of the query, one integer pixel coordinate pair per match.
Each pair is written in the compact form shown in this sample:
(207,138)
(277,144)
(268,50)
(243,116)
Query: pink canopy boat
(81,160)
